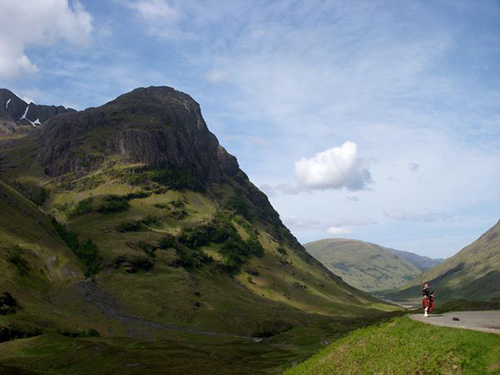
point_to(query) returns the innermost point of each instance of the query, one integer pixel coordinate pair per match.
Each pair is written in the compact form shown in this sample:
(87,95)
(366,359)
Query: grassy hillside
(363,265)
(162,257)
(39,274)
(473,273)
(175,257)
(403,346)
(137,224)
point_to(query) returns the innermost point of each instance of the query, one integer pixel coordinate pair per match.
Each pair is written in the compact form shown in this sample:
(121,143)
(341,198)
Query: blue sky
(374,120)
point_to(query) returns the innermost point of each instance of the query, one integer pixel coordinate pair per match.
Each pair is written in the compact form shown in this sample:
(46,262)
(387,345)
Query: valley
(471,274)
(366,266)
(115,235)
(131,241)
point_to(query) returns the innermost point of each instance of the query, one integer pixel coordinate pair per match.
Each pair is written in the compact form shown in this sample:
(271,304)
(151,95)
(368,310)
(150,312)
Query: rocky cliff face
(163,130)
(157,126)
(15,112)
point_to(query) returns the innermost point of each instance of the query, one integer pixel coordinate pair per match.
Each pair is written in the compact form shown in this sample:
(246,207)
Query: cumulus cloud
(335,231)
(38,23)
(335,168)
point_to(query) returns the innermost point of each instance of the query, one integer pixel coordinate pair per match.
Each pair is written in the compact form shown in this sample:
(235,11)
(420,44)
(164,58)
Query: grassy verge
(403,346)
(466,305)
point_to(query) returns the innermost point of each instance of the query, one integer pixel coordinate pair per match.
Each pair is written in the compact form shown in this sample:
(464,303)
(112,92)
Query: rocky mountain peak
(158,127)
(16,113)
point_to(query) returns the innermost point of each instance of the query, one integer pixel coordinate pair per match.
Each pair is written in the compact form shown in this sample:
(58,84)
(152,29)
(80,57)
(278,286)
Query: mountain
(419,261)
(131,220)
(473,273)
(363,265)
(16,114)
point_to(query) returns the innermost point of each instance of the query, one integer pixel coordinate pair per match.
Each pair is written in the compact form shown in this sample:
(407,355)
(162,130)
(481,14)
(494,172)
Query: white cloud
(297,222)
(216,75)
(162,18)
(421,217)
(335,231)
(38,23)
(334,168)
(156,10)
(314,224)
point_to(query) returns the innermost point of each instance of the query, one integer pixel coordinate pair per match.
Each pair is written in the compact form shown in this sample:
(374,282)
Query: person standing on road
(427,299)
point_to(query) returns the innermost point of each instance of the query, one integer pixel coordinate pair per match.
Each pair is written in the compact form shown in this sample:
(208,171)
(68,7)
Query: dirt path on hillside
(484,321)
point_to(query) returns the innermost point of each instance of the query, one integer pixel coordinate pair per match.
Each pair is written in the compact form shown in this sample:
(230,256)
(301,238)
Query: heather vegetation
(220,230)
(86,251)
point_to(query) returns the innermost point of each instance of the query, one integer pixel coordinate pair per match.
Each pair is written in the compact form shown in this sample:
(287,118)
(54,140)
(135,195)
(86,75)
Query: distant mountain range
(15,113)
(473,273)
(368,266)
(419,261)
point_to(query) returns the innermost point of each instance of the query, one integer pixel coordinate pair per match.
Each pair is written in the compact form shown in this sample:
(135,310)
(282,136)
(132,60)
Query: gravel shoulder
(484,321)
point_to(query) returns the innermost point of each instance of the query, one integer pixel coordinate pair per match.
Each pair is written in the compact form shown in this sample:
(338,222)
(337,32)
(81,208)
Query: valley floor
(183,352)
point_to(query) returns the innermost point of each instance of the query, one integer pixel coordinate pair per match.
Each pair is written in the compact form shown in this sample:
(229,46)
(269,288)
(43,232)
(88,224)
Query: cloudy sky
(377,120)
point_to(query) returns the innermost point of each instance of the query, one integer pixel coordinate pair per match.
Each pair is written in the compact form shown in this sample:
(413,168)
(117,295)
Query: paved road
(484,321)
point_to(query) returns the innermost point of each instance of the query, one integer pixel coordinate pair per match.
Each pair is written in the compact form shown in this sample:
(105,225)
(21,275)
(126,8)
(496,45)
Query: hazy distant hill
(364,265)
(419,261)
(473,273)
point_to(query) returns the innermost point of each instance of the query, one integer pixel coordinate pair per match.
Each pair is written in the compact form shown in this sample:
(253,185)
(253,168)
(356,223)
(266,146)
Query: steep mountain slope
(38,272)
(169,231)
(419,261)
(473,273)
(363,265)
(16,115)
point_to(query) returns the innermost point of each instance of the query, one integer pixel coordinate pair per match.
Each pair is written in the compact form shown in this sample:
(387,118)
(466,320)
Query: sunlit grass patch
(403,346)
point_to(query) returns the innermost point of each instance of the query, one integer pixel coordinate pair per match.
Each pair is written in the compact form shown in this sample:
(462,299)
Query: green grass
(403,346)
(139,269)
(55,354)
(467,305)
(176,353)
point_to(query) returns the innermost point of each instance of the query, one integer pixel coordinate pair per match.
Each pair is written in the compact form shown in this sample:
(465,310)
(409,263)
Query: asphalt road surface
(484,321)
